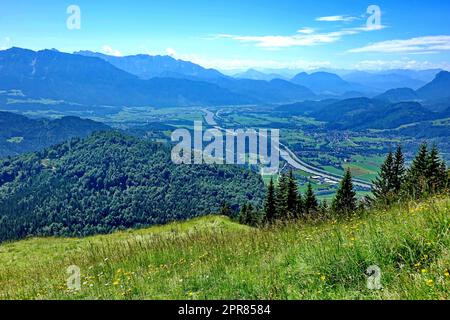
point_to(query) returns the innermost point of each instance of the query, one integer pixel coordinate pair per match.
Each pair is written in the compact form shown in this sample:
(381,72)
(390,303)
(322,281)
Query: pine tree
(311,204)
(292,195)
(399,170)
(270,205)
(345,200)
(384,184)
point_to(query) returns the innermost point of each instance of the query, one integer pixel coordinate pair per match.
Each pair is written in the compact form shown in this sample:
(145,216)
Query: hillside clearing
(214,258)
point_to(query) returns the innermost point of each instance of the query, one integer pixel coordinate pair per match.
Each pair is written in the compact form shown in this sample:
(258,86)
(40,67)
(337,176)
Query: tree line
(427,175)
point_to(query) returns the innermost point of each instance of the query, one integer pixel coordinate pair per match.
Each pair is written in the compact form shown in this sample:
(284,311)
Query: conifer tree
(243,214)
(281,196)
(292,195)
(270,205)
(345,200)
(249,216)
(311,203)
(384,184)
(323,208)
(225,210)
(253,218)
(443,176)
(417,181)
(399,170)
(433,170)
(300,205)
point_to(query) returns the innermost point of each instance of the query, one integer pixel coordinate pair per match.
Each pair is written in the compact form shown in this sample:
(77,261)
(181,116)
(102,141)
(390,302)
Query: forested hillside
(109,181)
(19,134)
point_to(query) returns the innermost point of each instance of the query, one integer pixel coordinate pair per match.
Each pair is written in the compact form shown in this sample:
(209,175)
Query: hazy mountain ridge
(436,89)
(325,83)
(147,66)
(93,81)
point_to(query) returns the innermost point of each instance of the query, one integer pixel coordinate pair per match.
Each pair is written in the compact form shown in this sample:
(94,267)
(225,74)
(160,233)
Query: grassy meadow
(215,258)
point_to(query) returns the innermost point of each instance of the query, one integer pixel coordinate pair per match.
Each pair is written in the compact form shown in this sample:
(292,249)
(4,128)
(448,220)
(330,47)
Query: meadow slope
(214,258)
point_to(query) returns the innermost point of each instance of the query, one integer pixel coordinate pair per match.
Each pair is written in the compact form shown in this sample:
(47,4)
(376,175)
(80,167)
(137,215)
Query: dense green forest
(109,182)
(20,134)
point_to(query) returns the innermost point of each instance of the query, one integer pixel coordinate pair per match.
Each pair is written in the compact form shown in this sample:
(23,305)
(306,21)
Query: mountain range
(326,83)
(147,67)
(93,79)
(253,74)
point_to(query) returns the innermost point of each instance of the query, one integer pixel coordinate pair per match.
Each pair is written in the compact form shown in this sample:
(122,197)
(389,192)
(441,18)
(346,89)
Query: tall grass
(213,258)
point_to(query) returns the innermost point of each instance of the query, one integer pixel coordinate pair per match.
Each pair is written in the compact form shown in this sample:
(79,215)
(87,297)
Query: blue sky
(241,34)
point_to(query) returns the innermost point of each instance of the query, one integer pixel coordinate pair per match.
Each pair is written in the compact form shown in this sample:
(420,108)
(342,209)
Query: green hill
(110,182)
(213,258)
(20,134)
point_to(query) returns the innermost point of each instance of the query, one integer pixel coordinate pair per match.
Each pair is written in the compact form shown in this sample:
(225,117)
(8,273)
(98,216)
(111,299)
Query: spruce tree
(345,200)
(443,176)
(252,216)
(281,196)
(417,181)
(270,205)
(243,215)
(433,170)
(311,203)
(384,184)
(225,210)
(292,195)
(300,205)
(249,216)
(323,208)
(399,170)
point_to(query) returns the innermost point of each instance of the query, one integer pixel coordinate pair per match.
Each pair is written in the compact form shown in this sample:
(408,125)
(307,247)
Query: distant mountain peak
(437,89)
(322,82)
(399,95)
(160,66)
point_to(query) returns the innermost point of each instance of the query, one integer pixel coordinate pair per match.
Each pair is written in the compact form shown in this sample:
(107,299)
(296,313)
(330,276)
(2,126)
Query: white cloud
(171,52)
(304,37)
(336,18)
(413,45)
(306,30)
(233,64)
(400,64)
(110,51)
